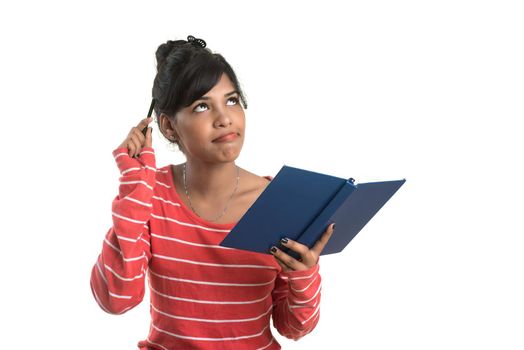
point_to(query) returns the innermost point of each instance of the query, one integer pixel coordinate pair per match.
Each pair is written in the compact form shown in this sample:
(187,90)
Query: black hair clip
(196,42)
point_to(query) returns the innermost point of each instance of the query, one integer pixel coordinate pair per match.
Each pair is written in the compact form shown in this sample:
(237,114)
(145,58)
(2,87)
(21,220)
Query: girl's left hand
(309,257)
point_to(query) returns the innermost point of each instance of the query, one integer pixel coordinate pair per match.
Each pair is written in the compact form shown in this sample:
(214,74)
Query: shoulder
(253,181)
(253,185)
(164,181)
(163,170)
(163,173)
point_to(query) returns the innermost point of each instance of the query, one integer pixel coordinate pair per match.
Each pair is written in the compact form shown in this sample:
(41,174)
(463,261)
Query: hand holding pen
(139,136)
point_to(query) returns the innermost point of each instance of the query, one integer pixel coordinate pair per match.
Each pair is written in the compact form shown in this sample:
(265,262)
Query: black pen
(144,130)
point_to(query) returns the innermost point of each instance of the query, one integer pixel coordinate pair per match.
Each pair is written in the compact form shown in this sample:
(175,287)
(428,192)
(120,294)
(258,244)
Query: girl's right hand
(136,140)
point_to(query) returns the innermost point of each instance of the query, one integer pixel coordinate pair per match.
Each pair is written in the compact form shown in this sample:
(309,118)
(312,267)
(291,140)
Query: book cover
(300,204)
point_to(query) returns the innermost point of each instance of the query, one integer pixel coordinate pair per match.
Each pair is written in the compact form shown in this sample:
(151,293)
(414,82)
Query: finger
(138,134)
(322,241)
(284,267)
(143,123)
(308,257)
(295,246)
(288,260)
(130,147)
(149,138)
(137,145)
(125,142)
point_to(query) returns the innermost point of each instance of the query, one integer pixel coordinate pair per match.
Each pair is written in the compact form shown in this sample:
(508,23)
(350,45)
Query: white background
(430,91)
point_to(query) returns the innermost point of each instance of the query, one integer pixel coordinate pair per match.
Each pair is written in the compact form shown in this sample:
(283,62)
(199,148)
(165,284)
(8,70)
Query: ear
(167,127)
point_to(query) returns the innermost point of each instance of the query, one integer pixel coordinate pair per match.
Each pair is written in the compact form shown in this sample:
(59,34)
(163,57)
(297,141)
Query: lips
(226,137)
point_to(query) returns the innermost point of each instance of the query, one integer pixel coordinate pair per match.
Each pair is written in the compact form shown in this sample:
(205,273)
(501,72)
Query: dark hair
(185,72)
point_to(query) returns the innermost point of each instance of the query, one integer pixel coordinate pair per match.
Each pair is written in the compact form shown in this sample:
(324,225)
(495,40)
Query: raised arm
(118,277)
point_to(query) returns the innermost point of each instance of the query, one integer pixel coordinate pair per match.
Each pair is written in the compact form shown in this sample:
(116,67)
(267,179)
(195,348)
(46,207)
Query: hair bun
(165,49)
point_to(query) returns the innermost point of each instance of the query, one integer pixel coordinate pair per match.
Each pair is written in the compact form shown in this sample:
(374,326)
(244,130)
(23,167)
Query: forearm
(118,277)
(297,302)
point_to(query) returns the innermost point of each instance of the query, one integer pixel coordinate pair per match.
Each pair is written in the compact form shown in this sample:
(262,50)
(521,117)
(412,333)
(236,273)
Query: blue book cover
(300,204)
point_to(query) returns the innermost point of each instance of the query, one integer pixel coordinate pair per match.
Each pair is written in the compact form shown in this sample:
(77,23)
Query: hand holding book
(308,257)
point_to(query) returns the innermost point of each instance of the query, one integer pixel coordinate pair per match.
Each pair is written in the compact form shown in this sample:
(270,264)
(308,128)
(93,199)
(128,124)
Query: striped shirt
(203,296)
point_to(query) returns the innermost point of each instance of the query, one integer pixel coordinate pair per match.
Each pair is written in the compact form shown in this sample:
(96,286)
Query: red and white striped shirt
(203,296)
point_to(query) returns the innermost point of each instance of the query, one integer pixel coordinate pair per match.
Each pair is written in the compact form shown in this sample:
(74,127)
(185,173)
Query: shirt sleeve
(118,277)
(296,302)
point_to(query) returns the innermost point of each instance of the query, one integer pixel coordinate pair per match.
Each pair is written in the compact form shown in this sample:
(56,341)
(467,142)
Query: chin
(231,152)
(230,156)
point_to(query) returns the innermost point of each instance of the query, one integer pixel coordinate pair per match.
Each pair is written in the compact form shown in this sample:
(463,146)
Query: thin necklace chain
(189,197)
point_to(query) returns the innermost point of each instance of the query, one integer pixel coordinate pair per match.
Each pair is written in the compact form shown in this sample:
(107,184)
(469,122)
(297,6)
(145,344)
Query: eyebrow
(226,95)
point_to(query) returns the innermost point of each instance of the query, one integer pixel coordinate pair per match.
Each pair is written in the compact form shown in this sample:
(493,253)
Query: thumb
(149,139)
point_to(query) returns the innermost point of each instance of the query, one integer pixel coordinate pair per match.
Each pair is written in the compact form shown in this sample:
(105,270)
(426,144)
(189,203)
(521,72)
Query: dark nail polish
(273,249)
(284,240)
(333,226)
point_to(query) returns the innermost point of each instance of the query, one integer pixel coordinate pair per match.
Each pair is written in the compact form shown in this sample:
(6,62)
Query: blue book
(300,204)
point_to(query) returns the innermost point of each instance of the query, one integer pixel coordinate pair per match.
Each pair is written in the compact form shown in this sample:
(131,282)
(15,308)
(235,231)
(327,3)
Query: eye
(200,107)
(234,101)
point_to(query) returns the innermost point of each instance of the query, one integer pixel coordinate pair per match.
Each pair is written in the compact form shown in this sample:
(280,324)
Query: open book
(300,204)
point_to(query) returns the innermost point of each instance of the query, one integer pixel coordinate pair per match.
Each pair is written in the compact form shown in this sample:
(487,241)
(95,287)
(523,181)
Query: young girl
(168,222)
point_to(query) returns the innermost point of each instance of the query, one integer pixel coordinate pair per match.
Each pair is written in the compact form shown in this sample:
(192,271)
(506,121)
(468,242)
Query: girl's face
(211,129)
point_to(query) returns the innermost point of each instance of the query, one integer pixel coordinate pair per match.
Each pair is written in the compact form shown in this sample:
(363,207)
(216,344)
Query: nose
(222,118)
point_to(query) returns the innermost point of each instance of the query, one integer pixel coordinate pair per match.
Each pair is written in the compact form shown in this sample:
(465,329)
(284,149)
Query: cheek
(186,137)
(195,130)
(241,120)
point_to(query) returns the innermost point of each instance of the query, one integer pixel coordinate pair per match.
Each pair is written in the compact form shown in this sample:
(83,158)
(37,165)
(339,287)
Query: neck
(206,180)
